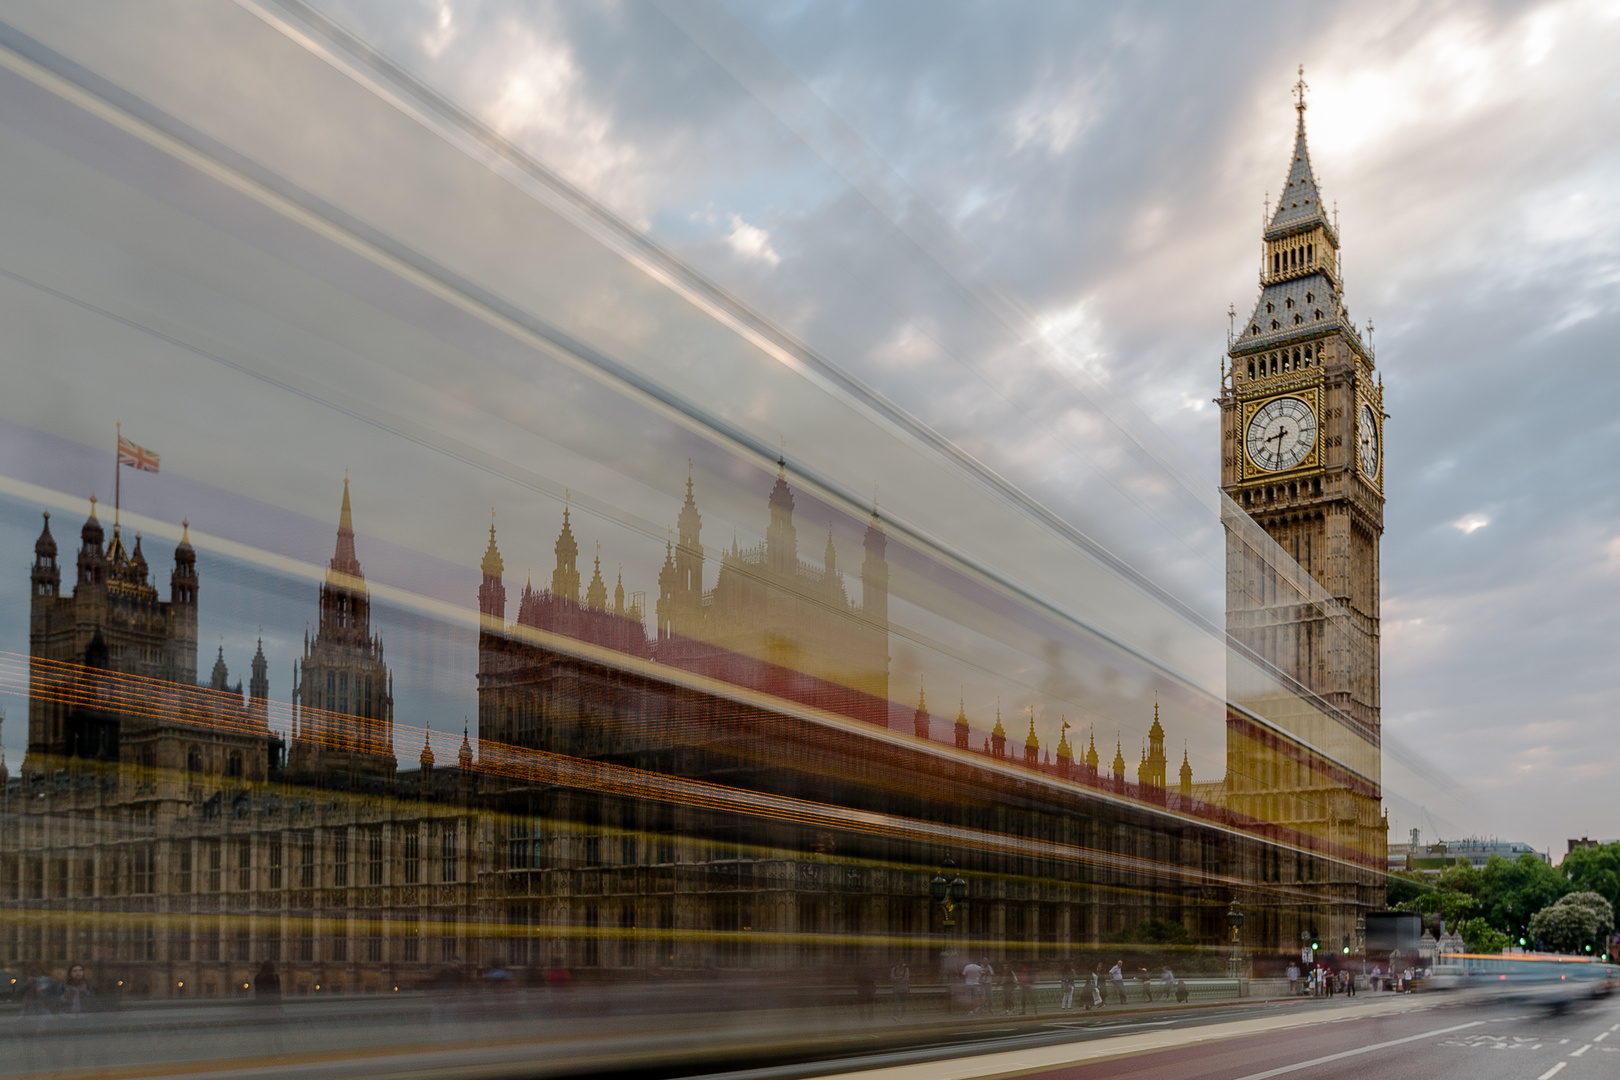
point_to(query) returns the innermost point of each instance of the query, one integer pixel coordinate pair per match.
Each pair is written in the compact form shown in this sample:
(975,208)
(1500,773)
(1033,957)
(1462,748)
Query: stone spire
(492,592)
(1119,765)
(1092,760)
(1065,754)
(781,539)
(343,559)
(1032,745)
(465,759)
(565,579)
(998,736)
(47,575)
(618,594)
(962,729)
(596,592)
(919,719)
(1186,775)
(221,677)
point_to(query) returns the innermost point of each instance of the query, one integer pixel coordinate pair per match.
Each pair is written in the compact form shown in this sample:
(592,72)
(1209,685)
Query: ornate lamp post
(1361,943)
(1234,920)
(949,895)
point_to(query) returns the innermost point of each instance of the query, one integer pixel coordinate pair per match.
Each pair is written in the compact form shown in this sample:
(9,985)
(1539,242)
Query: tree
(1480,936)
(1511,891)
(1595,869)
(1596,904)
(1567,927)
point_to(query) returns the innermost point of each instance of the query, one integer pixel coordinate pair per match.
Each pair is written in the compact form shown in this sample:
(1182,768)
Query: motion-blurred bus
(1545,978)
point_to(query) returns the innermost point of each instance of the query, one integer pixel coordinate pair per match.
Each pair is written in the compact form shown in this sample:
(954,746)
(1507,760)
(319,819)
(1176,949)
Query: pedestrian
(267,985)
(1026,996)
(970,987)
(1009,988)
(1350,984)
(1168,981)
(35,1001)
(76,992)
(1181,991)
(1066,982)
(865,993)
(1377,975)
(1116,978)
(987,986)
(1147,984)
(1094,987)
(900,986)
(1293,979)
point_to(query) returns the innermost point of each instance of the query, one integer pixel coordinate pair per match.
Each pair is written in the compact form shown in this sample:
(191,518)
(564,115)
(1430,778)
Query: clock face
(1369,442)
(1281,434)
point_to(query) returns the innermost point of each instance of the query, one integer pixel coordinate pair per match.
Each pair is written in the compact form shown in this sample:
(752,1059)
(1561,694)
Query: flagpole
(118,474)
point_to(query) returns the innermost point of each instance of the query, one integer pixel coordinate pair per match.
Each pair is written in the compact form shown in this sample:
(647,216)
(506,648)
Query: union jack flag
(136,457)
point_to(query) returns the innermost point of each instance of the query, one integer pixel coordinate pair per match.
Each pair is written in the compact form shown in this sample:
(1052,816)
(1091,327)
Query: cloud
(751,242)
(1469,524)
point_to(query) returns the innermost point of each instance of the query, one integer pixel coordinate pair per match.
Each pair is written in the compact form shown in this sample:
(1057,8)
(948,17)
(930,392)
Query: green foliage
(1480,936)
(1568,927)
(1595,869)
(1511,891)
(1159,932)
(1594,903)
(1405,886)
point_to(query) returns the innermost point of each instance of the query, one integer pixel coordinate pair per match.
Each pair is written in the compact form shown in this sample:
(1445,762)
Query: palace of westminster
(669,794)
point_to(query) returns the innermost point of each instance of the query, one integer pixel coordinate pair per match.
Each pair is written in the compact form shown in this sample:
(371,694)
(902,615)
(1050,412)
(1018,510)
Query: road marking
(1561,1042)
(1582,1050)
(1552,1072)
(1601,1037)
(1282,1069)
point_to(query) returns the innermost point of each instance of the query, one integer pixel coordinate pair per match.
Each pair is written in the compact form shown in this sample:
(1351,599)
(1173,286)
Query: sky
(1109,164)
(1007,238)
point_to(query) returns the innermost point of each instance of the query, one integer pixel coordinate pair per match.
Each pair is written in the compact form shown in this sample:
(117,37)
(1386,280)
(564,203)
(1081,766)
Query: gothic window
(1296,358)
(1310,256)
(1310,298)
(233,765)
(1270,307)
(1298,319)
(1289,303)
(1274,324)
(1255,329)
(1274,358)
(1318,313)
(194,760)
(331,689)
(447,854)
(1307,354)
(1251,369)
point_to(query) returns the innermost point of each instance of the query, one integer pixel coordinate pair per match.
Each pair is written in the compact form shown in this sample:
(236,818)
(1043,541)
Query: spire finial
(1299,102)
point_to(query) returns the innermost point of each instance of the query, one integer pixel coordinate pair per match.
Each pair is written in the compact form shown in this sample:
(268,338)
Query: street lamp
(1234,919)
(1361,943)
(949,896)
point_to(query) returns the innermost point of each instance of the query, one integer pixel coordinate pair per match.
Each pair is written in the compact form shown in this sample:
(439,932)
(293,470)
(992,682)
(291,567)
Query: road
(1389,1038)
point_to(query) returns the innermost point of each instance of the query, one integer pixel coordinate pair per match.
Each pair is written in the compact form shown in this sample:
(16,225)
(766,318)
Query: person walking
(1116,978)
(1293,979)
(970,987)
(1094,987)
(1147,984)
(1026,992)
(1377,973)
(1009,988)
(987,986)
(1066,983)
(1349,984)
(1168,982)
(900,987)
(76,992)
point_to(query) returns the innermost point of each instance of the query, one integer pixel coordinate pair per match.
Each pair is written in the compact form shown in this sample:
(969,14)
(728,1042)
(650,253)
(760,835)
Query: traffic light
(1347,944)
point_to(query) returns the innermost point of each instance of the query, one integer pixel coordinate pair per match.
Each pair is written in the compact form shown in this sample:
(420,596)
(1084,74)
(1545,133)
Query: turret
(137,564)
(688,562)
(919,719)
(221,677)
(1032,745)
(596,593)
(1186,779)
(565,579)
(492,594)
(618,594)
(962,729)
(1119,766)
(666,592)
(1092,759)
(47,575)
(998,737)
(183,582)
(92,563)
(781,540)
(425,778)
(1065,755)
(259,687)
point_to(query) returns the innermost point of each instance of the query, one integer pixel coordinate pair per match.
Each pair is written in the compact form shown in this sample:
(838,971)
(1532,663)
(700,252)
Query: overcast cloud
(1110,165)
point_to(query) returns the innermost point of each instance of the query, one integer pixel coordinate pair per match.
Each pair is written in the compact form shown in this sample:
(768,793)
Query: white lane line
(1561,1042)
(1615,1028)
(1552,1072)
(1582,1050)
(1281,1069)
(1601,1037)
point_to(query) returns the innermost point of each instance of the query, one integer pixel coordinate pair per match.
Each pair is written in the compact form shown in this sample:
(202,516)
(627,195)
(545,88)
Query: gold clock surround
(1311,394)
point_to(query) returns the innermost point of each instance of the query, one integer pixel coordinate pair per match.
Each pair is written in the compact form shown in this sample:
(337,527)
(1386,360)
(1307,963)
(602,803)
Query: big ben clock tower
(1302,424)
(1302,457)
